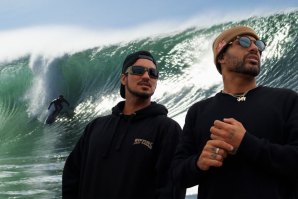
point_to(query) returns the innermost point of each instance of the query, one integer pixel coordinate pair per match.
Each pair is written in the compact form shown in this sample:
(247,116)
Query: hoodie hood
(153,109)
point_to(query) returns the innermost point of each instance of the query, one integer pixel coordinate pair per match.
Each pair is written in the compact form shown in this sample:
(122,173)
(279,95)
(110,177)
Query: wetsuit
(58,104)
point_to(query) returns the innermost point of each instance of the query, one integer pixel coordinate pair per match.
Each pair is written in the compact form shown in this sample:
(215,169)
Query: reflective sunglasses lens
(260,44)
(153,73)
(244,42)
(137,70)
(140,70)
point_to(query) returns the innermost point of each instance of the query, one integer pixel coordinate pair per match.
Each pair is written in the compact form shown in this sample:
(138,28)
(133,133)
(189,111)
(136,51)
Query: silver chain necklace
(239,97)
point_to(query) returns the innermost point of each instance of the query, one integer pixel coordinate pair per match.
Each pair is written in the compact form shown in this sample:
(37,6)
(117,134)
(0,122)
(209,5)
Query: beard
(239,66)
(141,95)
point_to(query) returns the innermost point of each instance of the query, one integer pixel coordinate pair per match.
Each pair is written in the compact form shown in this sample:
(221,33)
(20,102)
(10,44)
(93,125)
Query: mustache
(253,55)
(144,82)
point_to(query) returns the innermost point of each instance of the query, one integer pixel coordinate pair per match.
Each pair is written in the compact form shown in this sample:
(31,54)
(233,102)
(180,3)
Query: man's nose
(253,47)
(146,74)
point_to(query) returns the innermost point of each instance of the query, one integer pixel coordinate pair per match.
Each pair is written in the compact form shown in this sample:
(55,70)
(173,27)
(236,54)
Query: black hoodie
(121,156)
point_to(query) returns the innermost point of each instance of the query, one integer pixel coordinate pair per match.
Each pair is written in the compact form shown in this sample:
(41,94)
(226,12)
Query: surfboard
(52,115)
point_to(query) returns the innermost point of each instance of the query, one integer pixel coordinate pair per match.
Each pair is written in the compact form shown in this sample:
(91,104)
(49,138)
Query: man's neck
(237,85)
(133,105)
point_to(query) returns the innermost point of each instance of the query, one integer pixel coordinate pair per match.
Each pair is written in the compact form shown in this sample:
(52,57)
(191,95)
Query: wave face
(32,154)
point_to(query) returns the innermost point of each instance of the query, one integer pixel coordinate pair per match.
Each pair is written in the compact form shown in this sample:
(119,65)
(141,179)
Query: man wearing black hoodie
(126,155)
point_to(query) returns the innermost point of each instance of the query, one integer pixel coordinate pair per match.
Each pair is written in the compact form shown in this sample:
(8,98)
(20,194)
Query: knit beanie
(226,36)
(130,60)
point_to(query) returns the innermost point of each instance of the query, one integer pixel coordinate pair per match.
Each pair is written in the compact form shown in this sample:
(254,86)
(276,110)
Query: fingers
(217,151)
(208,159)
(214,150)
(226,137)
(213,154)
(219,144)
(222,129)
(218,134)
(228,130)
(230,121)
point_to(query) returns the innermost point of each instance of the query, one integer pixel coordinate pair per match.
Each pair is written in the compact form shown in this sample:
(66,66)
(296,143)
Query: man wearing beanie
(241,143)
(127,155)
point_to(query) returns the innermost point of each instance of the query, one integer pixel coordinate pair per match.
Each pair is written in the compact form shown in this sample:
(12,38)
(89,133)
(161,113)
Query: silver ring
(216,150)
(213,156)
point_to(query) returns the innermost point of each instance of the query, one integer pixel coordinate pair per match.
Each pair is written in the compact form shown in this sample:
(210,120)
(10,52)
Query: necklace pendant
(241,99)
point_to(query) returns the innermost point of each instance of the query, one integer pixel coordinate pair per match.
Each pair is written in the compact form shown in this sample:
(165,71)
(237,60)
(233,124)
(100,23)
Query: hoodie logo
(143,142)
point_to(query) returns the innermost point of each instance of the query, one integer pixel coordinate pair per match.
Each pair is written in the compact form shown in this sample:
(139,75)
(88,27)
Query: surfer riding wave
(58,104)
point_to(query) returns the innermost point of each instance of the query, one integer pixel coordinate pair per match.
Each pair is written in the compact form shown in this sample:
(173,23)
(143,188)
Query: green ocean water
(32,154)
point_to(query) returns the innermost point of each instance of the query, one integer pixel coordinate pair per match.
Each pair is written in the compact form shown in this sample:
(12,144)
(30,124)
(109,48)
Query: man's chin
(142,95)
(254,71)
(250,70)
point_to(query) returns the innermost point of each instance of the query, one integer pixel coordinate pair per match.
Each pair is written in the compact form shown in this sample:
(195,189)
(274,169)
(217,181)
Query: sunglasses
(140,70)
(246,42)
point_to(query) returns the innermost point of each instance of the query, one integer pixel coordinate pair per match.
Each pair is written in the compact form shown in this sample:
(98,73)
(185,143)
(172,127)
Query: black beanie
(130,60)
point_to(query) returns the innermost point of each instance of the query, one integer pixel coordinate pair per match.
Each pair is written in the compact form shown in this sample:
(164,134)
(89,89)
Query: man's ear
(220,58)
(123,79)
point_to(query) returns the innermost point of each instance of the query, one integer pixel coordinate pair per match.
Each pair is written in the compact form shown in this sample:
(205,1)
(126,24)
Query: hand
(213,154)
(229,130)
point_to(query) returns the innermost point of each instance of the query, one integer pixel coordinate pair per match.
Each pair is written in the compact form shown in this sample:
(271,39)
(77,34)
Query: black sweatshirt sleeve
(278,159)
(73,167)
(185,170)
(166,189)
(71,173)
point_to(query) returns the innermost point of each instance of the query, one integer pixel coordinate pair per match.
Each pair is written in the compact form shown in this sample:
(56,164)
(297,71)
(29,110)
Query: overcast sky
(117,14)
(52,27)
